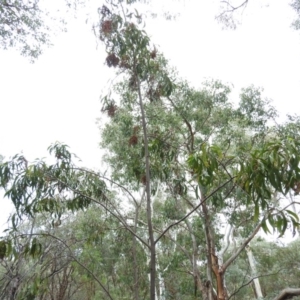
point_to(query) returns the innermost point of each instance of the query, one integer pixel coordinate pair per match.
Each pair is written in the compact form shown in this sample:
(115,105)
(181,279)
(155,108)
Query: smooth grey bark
(232,258)
(193,259)
(134,254)
(148,198)
(251,260)
(209,249)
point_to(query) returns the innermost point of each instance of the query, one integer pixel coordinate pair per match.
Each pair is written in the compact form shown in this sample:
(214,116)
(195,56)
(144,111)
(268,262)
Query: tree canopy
(28,25)
(22,25)
(191,179)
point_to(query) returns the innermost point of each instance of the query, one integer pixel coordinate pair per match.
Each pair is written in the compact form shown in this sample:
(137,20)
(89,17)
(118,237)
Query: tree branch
(233,8)
(248,282)
(186,122)
(243,246)
(110,180)
(193,210)
(74,258)
(288,293)
(104,206)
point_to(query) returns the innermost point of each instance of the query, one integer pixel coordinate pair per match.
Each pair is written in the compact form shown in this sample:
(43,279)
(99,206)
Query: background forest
(191,185)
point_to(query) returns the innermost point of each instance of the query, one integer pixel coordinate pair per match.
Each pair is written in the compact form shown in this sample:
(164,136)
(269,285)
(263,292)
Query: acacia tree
(187,161)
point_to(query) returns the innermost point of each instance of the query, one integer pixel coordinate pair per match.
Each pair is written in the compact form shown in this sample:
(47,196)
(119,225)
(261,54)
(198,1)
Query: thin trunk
(221,253)
(148,197)
(160,287)
(226,243)
(209,250)
(257,287)
(135,263)
(197,279)
(212,261)
(243,245)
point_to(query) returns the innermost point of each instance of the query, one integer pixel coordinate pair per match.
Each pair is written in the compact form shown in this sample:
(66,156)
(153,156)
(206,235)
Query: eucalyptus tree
(71,263)
(192,144)
(23,25)
(182,163)
(277,267)
(28,25)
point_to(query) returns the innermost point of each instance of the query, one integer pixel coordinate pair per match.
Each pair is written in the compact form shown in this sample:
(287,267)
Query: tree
(28,25)
(22,25)
(182,162)
(166,104)
(296,6)
(59,272)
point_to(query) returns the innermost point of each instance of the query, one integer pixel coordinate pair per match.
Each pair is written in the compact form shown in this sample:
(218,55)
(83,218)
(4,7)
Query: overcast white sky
(57,98)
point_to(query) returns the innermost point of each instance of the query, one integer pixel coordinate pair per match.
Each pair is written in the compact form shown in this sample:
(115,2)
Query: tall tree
(182,162)
(28,25)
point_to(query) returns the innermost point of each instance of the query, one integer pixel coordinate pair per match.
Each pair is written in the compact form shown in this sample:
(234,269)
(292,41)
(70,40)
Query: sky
(58,97)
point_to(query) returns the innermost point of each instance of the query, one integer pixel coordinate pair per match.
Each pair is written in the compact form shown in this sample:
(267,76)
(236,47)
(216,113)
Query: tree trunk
(212,260)
(257,287)
(288,293)
(198,283)
(148,197)
(135,263)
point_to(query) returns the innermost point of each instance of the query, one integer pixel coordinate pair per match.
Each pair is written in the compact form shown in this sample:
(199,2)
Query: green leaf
(256,212)
(283,227)
(265,226)
(197,192)
(3,249)
(293,215)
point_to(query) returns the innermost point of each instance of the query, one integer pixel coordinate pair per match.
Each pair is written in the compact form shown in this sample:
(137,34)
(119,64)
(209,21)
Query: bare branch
(248,282)
(233,8)
(226,15)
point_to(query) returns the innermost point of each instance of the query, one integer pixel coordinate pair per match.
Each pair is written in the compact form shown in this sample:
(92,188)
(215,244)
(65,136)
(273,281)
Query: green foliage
(199,143)
(28,25)
(172,210)
(210,162)
(205,164)
(296,6)
(38,187)
(272,169)
(276,266)
(254,110)
(22,25)
(3,249)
